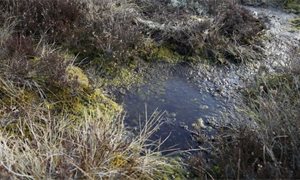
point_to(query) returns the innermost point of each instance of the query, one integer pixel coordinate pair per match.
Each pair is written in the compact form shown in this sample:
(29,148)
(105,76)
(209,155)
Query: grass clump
(54,147)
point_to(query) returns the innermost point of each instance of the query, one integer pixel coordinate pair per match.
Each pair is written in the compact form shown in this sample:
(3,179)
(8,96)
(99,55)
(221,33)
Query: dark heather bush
(24,66)
(238,23)
(52,70)
(54,18)
(110,34)
(20,45)
(234,28)
(16,66)
(244,153)
(237,153)
(180,34)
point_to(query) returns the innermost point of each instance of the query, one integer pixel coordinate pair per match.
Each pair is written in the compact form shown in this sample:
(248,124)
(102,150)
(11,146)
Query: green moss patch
(153,51)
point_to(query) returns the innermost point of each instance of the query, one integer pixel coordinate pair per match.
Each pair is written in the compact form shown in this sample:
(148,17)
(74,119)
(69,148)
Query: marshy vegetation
(61,58)
(264,141)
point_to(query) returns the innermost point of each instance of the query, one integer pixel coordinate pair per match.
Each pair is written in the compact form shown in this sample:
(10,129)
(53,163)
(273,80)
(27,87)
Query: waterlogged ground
(170,91)
(202,93)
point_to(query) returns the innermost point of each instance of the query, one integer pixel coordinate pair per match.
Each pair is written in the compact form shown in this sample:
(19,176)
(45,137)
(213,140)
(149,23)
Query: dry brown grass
(40,145)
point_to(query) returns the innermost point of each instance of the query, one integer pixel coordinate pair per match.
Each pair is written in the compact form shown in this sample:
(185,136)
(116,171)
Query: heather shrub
(54,19)
(224,31)
(233,36)
(112,33)
(103,29)
(213,7)
(236,152)
(238,23)
(28,65)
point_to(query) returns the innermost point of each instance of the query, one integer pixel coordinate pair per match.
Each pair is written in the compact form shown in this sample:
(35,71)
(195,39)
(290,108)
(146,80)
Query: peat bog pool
(183,103)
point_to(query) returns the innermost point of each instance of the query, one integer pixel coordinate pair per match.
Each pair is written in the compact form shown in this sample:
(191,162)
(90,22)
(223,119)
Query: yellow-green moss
(76,101)
(118,161)
(126,77)
(154,51)
(120,76)
(75,73)
(166,54)
(107,105)
(68,99)
(175,171)
(92,100)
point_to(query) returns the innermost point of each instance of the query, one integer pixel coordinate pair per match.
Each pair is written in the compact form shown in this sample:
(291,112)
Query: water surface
(182,102)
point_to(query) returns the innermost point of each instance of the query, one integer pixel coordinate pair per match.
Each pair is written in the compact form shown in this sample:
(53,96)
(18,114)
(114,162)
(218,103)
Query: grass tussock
(47,146)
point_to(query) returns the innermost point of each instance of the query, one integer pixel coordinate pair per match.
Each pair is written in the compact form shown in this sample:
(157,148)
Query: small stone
(183,125)
(173,114)
(204,107)
(199,124)
(215,94)
(122,91)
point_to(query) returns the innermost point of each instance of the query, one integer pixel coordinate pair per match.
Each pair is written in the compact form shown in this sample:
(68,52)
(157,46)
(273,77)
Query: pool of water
(182,102)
